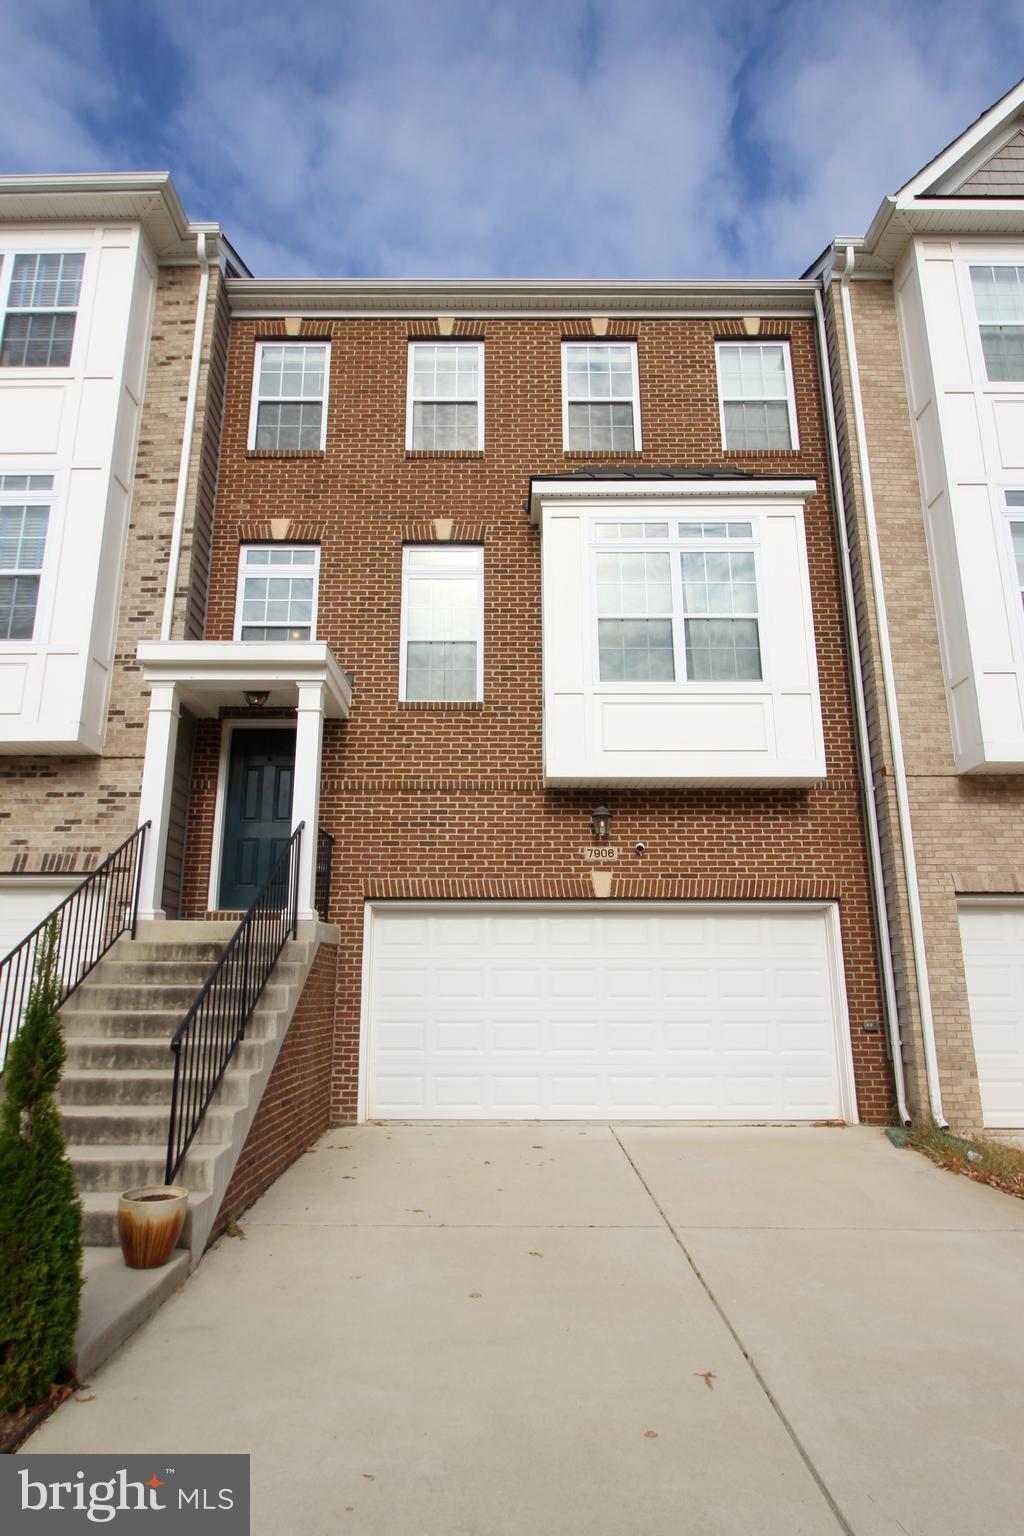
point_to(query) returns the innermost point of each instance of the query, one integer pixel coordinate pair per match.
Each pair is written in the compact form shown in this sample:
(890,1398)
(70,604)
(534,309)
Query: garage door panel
(993,951)
(674,1015)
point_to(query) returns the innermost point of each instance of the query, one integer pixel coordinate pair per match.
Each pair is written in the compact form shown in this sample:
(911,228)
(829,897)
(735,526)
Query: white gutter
(874,841)
(174,559)
(889,687)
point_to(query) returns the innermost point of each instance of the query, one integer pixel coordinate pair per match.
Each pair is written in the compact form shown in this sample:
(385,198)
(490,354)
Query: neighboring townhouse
(925,318)
(113,331)
(528,595)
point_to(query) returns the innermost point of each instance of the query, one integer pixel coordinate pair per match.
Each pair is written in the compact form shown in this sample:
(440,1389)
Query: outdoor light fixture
(256,697)
(600,822)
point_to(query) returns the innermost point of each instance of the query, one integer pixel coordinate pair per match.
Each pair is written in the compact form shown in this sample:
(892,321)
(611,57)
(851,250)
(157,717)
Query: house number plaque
(599,855)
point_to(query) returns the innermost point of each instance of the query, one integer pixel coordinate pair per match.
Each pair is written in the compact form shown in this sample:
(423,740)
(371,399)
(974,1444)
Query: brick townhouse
(536,587)
(925,318)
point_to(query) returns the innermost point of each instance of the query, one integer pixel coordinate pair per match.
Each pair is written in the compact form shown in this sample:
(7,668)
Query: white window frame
(8,255)
(244,571)
(787,360)
(444,341)
(638,436)
(256,400)
(435,575)
(676,548)
(46,573)
(987,259)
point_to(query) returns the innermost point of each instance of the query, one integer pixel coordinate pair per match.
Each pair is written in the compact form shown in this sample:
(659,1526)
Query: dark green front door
(257,812)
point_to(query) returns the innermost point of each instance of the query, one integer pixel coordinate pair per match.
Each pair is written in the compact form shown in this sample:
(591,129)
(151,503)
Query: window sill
(285,453)
(444,453)
(441,706)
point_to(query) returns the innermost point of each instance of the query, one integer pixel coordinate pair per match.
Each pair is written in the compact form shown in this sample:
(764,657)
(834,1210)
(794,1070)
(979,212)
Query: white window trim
(255,399)
(41,247)
(444,341)
(676,548)
(787,359)
(988,257)
(48,572)
(269,570)
(599,341)
(443,576)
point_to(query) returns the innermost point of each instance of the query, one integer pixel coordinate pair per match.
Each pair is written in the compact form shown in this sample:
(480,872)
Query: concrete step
(161,997)
(117,1300)
(141,1088)
(131,1124)
(99,1216)
(207,953)
(124,1055)
(95,1024)
(133,972)
(113,1166)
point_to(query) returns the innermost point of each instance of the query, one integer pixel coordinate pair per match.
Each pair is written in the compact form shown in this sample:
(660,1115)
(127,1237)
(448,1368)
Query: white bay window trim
(442,563)
(456,395)
(765,730)
(26,549)
(728,395)
(572,396)
(303,396)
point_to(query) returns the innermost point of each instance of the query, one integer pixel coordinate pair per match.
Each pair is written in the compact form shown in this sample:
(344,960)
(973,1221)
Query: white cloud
(518,137)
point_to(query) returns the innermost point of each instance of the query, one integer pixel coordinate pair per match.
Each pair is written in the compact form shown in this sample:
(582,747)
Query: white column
(309,738)
(155,801)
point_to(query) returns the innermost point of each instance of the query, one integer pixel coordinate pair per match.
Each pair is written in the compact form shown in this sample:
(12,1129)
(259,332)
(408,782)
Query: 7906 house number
(599,855)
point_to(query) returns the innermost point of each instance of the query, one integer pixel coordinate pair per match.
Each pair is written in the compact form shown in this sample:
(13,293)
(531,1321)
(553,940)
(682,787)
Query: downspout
(177,528)
(889,688)
(874,841)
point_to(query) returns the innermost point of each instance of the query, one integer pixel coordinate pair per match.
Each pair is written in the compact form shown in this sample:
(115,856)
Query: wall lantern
(600,822)
(256,697)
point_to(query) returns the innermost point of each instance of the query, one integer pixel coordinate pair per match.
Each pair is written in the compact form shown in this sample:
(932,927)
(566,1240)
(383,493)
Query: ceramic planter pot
(149,1222)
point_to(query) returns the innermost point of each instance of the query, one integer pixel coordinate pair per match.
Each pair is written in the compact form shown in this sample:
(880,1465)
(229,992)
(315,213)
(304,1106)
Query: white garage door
(554,1013)
(993,944)
(24,904)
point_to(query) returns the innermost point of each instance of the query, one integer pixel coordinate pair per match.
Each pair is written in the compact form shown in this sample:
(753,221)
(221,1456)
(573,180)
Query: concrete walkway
(590,1331)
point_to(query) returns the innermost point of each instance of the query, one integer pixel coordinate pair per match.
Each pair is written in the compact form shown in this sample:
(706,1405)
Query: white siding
(79,424)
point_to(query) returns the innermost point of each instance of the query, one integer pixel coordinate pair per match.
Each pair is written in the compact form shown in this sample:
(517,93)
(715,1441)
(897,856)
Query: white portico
(207,676)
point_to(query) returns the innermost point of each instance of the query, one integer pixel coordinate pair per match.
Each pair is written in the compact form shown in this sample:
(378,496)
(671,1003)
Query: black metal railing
(324,863)
(89,920)
(209,1034)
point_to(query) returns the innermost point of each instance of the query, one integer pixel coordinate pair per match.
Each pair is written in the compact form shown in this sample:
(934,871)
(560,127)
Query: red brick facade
(448,800)
(296,1107)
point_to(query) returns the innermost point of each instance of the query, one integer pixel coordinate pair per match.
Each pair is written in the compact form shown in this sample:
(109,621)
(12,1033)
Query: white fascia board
(597,492)
(267,297)
(212,673)
(149,198)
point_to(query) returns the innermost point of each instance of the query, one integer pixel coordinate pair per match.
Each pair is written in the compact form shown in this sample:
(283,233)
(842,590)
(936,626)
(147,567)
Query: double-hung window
(24,519)
(289,396)
(442,640)
(42,303)
(999,301)
(600,397)
(445,406)
(277,592)
(755,394)
(677,601)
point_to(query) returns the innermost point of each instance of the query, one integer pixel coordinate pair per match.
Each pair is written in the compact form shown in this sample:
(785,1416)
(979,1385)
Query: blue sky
(603,138)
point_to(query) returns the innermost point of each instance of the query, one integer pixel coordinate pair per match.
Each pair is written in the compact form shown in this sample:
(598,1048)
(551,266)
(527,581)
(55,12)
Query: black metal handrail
(209,1034)
(324,865)
(89,920)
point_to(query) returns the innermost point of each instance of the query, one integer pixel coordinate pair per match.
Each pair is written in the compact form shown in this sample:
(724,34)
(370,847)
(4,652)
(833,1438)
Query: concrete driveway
(611,1331)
